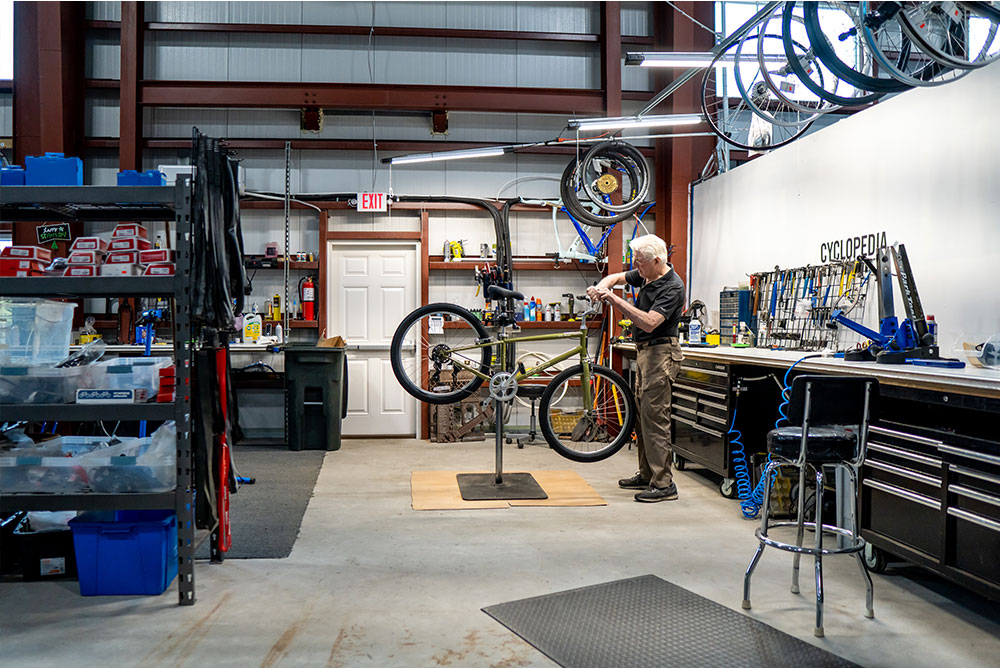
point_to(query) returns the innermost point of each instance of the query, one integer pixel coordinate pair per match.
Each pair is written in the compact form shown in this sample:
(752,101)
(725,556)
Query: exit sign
(373,202)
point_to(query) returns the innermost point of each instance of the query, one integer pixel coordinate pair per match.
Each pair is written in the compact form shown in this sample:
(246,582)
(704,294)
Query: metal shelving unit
(111,205)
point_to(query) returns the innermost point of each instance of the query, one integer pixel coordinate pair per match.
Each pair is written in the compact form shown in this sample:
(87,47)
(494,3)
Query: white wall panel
(265,12)
(558,65)
(480,62)
(102,54)
(262,123)
(879,170)
(482,15)
(265,57)
(100,168)
(265,170)
(104,10)
(480,127)
(173,122)
(195,56)
(539,127)
(101,113)
(188,12)
(6,114)
(571,17)
(262,226)
(639,78)
(637,19)
(422,14)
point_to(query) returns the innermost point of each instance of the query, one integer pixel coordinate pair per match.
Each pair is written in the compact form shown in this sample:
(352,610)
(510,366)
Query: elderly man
(655,316)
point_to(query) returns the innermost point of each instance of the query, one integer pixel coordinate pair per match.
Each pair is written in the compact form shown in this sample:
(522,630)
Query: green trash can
(315,396)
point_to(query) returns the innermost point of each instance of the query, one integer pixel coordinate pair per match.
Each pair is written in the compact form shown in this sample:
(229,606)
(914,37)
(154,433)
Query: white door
(371,287)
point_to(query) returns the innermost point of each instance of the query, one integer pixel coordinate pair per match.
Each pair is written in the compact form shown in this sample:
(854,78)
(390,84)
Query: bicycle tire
(943,56)
(800,72)
(569,187)
(414,389)
(600,430)
(824,51)
(635,166)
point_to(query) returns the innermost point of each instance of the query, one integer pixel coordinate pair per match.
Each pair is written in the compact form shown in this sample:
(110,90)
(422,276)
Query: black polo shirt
(665,295)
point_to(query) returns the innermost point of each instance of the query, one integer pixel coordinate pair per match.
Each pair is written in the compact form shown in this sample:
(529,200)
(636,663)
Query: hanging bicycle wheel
(593,420)
(433,349)
(959,35)
(755,90)
(896,54)
(851,95)
(606,185)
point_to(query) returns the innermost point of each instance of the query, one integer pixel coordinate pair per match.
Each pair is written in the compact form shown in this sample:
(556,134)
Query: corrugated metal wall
(6,114)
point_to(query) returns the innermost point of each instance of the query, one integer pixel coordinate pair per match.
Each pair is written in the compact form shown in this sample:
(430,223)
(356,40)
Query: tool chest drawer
(909,517)
(699,412)
(909,461)
(710,376)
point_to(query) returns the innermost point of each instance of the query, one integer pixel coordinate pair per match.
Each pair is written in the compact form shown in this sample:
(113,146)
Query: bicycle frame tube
(580,349)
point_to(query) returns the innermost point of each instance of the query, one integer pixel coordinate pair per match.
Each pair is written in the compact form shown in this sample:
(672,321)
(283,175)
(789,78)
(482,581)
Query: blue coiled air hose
(752,502)
(739,458)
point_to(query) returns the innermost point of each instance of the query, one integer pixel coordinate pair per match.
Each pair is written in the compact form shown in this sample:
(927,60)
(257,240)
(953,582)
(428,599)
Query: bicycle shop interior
(298,364)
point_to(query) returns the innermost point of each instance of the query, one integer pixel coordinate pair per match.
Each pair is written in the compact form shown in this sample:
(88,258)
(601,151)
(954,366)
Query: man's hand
(599,294)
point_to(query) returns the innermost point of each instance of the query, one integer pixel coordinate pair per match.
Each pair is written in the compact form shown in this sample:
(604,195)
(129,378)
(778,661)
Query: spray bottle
(694,330)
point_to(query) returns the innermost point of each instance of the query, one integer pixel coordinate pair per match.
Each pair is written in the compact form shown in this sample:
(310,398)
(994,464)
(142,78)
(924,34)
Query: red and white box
(28,253)
(129,230)
(81,270)
(129,243)
(121,269)
(86,257)
(160,269)
(157,255)
(89,243)
(122,257)
(19,266)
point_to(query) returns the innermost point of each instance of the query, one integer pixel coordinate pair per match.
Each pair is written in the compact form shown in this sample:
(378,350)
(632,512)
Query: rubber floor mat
(647,621)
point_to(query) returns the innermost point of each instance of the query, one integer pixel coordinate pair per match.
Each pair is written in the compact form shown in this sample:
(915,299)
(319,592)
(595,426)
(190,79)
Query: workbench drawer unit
(973,510)
(700,417)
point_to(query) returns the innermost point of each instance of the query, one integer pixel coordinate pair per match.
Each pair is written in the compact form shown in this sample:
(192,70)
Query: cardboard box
(28,252)
(129,244)
(89,243)
(157,255)
(122,257)
(86,257)
(121,269)
(83,270)
(160,269)
(129,230)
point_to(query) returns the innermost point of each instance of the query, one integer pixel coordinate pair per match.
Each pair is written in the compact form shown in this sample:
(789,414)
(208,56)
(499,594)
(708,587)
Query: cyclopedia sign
(851,247)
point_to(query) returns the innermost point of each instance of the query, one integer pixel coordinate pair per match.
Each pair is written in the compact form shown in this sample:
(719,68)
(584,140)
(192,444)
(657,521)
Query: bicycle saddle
(496,292)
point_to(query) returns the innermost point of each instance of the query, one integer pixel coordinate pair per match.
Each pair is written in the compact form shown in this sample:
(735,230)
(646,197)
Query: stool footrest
(856,543)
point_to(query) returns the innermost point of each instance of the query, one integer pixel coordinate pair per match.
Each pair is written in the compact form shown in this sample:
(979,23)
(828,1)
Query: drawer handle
(903,472)
(975,494)
(969,454)
(903,494)
(904,454)
(975,519)
(972,473)
(713,418)
(712,404)
(697,426)
(717,395)
(903,435)
(686,397)
(686,409)
(710,372)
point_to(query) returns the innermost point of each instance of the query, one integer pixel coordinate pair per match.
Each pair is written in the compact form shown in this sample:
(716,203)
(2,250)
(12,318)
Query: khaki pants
(657,367)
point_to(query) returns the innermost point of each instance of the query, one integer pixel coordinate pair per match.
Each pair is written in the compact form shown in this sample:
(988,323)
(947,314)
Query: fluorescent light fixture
(484,152)
(691,59)
(634,122)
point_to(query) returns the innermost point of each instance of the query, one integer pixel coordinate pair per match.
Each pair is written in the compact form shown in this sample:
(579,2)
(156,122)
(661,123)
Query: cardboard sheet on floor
(438,490)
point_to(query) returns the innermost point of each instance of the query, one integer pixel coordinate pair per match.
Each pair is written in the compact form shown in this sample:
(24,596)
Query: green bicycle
(441,353)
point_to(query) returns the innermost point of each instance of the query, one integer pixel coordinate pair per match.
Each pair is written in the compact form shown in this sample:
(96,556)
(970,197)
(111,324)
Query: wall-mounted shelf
(564,325)
(293,265)
(295,324)
(438,262)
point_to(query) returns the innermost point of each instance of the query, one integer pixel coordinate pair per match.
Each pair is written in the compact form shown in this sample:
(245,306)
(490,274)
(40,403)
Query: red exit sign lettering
(373,202)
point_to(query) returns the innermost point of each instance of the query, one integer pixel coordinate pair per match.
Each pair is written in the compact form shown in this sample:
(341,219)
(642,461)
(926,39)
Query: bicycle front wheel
(594,419)
(434,350)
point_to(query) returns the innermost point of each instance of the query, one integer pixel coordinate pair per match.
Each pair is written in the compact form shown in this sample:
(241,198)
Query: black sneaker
(655,494)
(635,482)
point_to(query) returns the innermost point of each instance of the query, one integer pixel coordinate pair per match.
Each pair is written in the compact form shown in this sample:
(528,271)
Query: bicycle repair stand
(496,486)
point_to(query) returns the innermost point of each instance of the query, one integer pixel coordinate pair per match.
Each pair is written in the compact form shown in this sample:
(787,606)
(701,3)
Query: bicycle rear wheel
(587,431)
(428,346)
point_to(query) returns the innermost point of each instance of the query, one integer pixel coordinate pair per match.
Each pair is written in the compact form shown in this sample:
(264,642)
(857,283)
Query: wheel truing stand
(496,486)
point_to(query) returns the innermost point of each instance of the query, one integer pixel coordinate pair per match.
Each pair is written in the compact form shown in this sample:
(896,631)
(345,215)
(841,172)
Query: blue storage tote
(54,169)
(125,552)
(12,176)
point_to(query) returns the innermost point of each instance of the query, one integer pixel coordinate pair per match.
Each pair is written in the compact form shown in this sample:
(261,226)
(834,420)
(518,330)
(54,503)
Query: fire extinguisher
(307,295)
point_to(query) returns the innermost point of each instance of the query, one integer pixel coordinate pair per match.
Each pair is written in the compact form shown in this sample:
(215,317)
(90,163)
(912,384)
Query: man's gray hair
(649,246)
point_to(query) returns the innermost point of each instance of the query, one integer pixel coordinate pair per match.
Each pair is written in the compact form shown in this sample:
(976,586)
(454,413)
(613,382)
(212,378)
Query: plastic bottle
(527,311)
(694,331)
(557,312)
(539,310)
(548,313)
(532,313)
(251,328)
(932,328)
(278,333)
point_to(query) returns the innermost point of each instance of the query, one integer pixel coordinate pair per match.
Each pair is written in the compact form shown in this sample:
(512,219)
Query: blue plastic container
(152,177)
(125,552)
(12,176)
(53,169)
(128,177)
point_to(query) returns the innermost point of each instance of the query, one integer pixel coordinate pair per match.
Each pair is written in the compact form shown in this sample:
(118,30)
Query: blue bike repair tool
(943,363)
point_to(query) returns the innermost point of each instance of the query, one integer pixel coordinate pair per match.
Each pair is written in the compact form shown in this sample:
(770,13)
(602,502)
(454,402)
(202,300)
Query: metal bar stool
(828,427)
(533,393)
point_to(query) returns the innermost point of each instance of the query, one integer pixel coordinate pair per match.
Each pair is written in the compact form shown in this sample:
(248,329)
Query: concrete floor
(371,582)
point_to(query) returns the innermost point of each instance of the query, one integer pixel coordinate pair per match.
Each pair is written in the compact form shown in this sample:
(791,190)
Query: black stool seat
(826,444)
(532,391)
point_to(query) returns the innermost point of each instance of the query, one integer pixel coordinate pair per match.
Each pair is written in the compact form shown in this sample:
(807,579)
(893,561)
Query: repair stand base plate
(483,487)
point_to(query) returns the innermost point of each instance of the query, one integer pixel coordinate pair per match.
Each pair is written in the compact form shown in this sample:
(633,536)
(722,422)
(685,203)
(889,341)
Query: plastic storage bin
(53,169)
(12,176)
(316,397)
(45,553)
(151,177)
(34,332)
(41,385)
(125,552)
(51,467)
(130,373)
